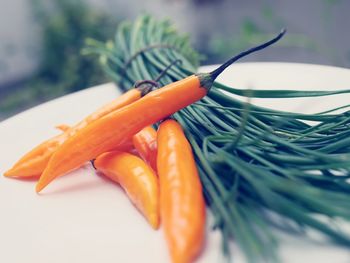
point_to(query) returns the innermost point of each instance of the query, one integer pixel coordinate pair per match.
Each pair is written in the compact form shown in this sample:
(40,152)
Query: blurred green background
(41,40)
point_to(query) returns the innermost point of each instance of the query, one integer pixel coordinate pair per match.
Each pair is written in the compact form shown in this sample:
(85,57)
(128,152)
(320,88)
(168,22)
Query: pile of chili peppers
(253,162)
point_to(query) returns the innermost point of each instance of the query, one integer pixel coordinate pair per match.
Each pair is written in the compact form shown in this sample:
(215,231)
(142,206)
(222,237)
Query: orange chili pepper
(109,132)
(63,127)
(145,142)
(182,206)
(137,179)
(34,162)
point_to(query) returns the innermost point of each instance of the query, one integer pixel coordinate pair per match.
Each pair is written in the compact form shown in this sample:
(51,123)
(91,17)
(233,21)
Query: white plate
(82,217)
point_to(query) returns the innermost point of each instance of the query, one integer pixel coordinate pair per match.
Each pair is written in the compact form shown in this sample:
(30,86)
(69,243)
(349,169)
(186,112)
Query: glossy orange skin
(137,179)
(182,206)
(63,127)
(34,162)
(109,132)
(145,142)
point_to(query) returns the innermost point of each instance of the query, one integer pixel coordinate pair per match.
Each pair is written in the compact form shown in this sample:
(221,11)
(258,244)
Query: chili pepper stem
(207,79)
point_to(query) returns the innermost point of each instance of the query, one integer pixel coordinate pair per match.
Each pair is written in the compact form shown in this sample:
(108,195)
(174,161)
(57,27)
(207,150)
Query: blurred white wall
(19,41)
(20,35)
(317,19)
